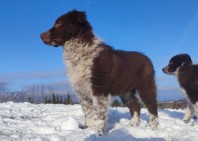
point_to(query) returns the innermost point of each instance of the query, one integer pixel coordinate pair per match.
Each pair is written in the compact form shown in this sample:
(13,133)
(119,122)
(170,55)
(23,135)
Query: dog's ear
(82,17)
(78,16)
(186,58)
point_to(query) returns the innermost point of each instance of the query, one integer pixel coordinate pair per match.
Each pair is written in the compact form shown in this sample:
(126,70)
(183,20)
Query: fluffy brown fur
(96,70)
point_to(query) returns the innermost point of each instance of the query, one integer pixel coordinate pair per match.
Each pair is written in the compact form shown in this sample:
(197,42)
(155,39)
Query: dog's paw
(134,121)
(186,119)
(154,123)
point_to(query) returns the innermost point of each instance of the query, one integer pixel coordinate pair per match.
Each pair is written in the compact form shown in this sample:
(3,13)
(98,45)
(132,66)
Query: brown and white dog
(187,74)
(96,71)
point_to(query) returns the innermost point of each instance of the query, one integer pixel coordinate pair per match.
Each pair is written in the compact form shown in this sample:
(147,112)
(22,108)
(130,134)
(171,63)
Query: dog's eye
(57,24)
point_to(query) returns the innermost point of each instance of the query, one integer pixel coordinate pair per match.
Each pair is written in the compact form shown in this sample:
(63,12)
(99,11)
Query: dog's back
(119,72)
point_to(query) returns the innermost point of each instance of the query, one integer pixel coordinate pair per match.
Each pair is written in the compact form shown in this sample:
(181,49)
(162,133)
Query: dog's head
(70,25)
(176,62)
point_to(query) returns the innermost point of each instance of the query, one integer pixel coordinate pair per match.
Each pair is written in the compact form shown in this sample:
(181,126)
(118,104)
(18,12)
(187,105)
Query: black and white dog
(187,74)
(96,71)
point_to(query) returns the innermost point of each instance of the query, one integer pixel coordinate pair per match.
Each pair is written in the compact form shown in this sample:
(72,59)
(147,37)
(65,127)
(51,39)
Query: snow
(48,122)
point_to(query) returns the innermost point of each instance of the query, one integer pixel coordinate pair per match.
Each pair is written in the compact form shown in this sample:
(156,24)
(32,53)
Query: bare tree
(42,89)
(38,92)
(3,90)
(3,87)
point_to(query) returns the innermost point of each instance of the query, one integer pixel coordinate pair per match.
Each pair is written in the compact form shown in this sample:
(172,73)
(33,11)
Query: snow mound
(69,124)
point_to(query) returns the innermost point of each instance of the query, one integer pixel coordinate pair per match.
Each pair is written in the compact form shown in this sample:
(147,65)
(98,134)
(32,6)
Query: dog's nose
(163,69)
(43,35)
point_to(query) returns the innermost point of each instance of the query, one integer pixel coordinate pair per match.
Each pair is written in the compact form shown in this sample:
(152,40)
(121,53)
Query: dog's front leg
(87,106)
(100,108)
(189,109)
(188,112)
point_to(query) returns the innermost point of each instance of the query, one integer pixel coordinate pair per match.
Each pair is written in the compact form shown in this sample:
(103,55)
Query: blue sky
(157,28)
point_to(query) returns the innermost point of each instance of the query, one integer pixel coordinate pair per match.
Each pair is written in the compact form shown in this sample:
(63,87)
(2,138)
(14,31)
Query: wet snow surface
(48,122)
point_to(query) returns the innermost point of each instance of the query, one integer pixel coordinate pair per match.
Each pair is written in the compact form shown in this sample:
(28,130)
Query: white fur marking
(135,119)
(139,98)
(176,73)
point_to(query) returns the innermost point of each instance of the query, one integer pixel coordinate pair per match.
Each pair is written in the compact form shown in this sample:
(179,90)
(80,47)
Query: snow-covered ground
(25,121)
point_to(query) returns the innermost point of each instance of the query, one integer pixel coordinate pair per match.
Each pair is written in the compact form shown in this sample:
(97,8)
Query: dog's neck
(183,66)
(77,50)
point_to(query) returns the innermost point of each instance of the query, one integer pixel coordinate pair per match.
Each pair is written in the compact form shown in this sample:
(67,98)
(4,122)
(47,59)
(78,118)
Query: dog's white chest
(79,61)
(80,77)
(185,94)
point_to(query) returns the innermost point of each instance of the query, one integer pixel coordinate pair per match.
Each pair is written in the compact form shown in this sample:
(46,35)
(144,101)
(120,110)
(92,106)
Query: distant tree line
(176,104)
(57,99)
(40,93)
(37,93)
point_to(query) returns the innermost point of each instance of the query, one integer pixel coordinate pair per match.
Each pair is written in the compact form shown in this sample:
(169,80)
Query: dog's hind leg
(147,93)
(189,110)
(132,103)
